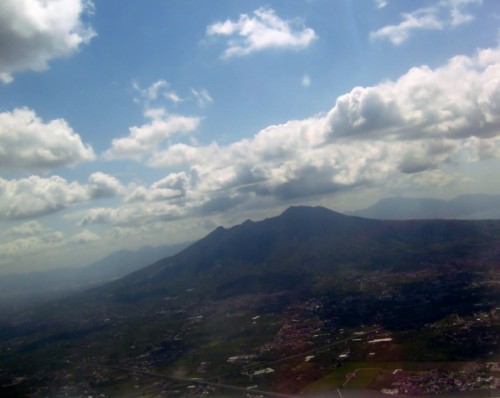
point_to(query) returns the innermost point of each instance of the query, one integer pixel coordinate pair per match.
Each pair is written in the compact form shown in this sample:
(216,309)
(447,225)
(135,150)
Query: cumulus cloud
(401,133)
(102,185)
(36,196)
(458,100)
(444,14)
(32,32)
(172,186)
(260,31)
(144,140)
(28,143)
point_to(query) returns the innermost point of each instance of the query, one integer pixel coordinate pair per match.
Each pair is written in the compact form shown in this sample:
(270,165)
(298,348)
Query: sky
(132,123)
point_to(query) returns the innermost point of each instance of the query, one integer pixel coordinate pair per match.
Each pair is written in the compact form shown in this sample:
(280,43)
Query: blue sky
(130,123)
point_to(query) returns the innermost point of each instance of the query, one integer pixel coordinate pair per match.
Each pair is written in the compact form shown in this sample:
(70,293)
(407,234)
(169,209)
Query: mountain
(25,289)
(290,304)
(477,206)
(301,246)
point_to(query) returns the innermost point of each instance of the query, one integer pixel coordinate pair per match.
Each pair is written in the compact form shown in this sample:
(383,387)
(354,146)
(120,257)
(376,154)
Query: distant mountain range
(23,289)
(470,207)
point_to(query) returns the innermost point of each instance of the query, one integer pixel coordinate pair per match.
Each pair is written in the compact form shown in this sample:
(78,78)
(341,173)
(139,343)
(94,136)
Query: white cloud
(180,154)
(172,186)
(144,140)
(36,196)
(444,14)
(102,185)
(27,143)
(260,31)
(32,32)
(458,100)
(400,134)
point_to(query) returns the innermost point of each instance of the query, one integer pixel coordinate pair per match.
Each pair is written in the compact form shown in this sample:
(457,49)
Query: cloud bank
(402,133)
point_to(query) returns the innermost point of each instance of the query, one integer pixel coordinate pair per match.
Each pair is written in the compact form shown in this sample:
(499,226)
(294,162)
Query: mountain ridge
(325,240)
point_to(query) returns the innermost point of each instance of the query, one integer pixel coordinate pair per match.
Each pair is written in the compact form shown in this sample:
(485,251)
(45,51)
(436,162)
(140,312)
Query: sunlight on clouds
(35,196)
(101,185)
(149,138)
(172,186)
(145,139)
(263,30)
(457,100)
(28,143)
(399,132)
(32,32)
